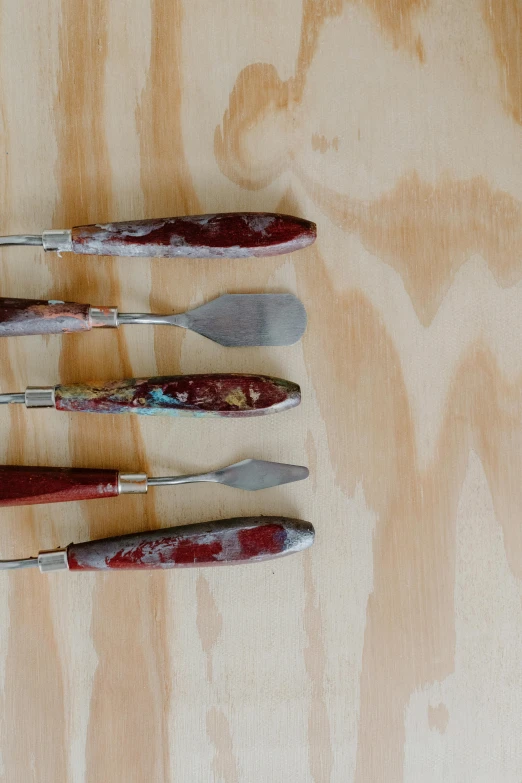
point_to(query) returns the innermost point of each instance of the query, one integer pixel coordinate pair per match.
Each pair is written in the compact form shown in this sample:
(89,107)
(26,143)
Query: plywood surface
(391,650)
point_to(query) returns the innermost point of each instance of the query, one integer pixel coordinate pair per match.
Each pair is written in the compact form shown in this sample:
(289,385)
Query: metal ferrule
(103,317)
(53,560)
(60,240)
(132,483)
(39,397)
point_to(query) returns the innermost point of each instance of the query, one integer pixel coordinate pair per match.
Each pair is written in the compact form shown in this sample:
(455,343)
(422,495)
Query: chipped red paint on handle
(226,235)
(20,317)
(224,394)
(240,540)
(21,486)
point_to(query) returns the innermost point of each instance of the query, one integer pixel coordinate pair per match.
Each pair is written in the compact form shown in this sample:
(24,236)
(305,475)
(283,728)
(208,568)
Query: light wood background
(391,651)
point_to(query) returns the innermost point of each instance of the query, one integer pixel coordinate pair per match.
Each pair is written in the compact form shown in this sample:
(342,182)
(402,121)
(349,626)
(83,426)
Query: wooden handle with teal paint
(223,395)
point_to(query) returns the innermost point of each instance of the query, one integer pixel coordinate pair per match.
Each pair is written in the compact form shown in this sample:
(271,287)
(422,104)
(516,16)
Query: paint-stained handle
(182,395)
(20,317)
(241,540)
(21,486)
(226,235)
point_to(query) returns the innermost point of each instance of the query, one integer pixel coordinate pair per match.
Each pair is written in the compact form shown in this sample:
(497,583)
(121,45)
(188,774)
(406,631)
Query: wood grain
(390,650)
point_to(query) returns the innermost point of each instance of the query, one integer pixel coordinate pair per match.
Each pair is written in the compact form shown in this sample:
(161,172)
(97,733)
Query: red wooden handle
(19,317)
(228,235)
(182,395)
(21,486)
(241,540)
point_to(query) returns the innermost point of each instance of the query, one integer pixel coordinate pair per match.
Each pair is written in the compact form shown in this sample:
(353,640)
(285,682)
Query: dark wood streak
(228,235)
(226,394)
(86,181)
(21,486)
(20,317)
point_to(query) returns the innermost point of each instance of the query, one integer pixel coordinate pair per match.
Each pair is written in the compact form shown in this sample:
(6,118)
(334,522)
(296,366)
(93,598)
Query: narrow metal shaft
(169,480)
(7,399)
(124,319)
(29,562)
(22,239)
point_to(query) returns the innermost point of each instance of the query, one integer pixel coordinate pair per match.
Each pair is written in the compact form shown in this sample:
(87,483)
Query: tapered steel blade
(252,474)
(248,319)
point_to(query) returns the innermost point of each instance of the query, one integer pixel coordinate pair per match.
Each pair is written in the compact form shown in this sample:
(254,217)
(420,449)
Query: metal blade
(252,474)
(248,319)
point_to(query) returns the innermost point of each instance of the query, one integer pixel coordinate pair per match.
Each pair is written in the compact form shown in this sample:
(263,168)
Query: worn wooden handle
(182,395)
(21,486)
(241,540)
(228,235)
(20,317)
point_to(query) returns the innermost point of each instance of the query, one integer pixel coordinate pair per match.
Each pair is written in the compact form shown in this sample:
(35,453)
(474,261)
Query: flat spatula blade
(253,474)
(250,319)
